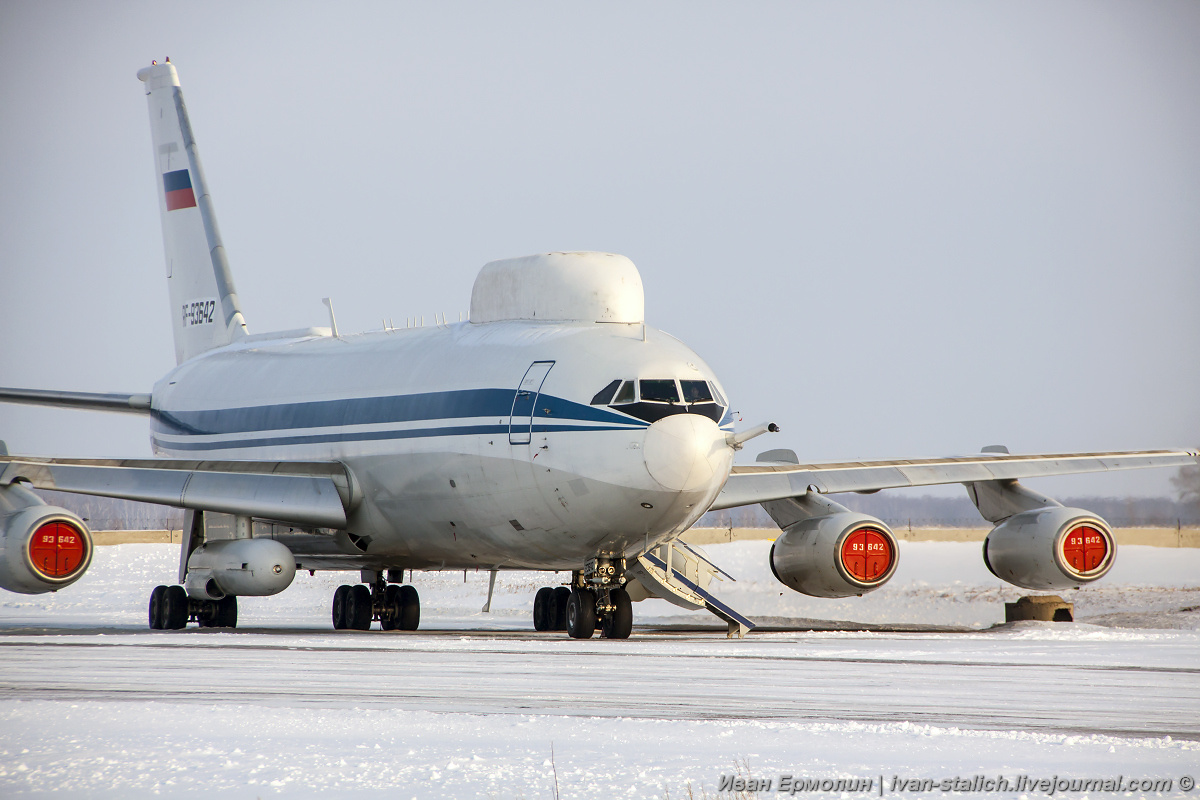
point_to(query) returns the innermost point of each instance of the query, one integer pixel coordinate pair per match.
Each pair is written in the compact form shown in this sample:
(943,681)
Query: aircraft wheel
(156,607)
(393,608)
(226,615)
(581,614)
(619,624)
(410,609)
(340,598)
(562,595)
(544,607)
(174,608)
(359,608)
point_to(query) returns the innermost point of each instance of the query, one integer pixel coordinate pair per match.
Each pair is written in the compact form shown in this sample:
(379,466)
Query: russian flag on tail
(178,188)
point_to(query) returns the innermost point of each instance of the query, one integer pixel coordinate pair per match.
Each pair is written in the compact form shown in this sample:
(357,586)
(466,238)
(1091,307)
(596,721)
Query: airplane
(554,430)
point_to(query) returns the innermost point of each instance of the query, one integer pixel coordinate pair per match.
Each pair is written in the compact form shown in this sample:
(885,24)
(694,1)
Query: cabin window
(696,392)
(604,396)
(625,395)
(659,391)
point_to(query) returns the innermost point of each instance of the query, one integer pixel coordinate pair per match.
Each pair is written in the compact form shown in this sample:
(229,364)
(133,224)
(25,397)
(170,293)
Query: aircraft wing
(92,401)
(315,493)
(757,483)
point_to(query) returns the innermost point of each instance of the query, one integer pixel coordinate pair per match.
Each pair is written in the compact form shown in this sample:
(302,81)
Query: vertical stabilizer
(204,305)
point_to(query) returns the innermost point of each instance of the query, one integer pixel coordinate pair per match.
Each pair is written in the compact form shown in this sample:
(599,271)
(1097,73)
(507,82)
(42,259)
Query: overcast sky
(895,229)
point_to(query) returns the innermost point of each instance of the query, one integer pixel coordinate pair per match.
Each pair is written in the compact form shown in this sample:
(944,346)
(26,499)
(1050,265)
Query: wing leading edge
(758,483)
(92,401)
(319,494)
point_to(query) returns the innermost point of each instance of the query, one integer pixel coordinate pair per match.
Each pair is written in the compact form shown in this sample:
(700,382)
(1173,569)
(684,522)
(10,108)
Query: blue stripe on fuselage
(450,405)
(361,436)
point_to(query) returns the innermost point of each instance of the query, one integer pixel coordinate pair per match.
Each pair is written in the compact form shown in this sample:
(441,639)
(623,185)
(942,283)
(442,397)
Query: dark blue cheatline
(365,436)
(441,406)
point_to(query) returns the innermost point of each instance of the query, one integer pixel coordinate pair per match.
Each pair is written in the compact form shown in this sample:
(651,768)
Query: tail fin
(205,310)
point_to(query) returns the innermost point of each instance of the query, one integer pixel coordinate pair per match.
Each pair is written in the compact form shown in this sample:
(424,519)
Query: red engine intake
(42,548)
(1050,548)
(835,555)
(58,550)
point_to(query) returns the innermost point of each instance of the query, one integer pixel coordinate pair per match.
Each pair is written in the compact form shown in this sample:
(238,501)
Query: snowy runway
(94,705)
(1019,679)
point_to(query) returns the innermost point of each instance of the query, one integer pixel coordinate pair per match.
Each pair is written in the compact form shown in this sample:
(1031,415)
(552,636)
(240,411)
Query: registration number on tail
(199,312)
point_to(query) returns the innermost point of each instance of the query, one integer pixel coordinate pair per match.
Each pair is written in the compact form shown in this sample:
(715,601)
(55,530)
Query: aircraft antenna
(332,319)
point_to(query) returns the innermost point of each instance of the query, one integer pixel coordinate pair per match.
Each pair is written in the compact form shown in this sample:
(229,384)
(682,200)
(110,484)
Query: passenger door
(520,421)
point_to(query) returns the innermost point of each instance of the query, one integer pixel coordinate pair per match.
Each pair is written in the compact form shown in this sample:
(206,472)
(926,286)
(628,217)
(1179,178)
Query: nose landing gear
(597,598)
(581,613)
(618,622)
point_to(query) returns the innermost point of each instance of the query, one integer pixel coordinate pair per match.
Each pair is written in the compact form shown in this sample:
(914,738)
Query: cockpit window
(625,395)
(659,391)
(717,395)
(696,392)
(652,399)
(604,396)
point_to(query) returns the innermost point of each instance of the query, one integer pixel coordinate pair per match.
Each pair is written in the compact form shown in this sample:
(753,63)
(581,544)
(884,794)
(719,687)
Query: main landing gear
(172,609)
(597,598)
(398,608)
(550,608)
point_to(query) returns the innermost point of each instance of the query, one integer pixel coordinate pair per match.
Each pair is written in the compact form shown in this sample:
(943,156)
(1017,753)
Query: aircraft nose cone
(686,452)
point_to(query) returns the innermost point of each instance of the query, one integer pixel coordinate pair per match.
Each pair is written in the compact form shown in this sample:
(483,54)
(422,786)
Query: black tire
(581,614)
(359,608)
(544,608)
(410,609)
(156,607)
(174,608)
(392,608)
(340,597)
(226,615)
(619,624)
(562,595)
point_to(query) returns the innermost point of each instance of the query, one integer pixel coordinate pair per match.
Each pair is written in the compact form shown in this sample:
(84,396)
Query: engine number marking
(1085,549)
(56,549)
(867,555)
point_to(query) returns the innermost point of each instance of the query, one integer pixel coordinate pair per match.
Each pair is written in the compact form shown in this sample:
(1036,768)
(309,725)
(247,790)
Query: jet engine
(835,555)
(248,567)
(42,548)
(1050,548)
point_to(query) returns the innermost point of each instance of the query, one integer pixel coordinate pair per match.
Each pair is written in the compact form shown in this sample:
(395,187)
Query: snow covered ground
(92,704)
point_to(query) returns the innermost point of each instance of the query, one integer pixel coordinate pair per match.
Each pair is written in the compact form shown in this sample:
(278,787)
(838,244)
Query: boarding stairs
(681,574)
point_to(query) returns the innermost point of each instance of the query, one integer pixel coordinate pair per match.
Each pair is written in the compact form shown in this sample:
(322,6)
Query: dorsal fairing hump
(559,287)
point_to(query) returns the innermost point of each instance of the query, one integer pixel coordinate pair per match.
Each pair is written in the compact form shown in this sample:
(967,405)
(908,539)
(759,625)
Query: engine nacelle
(1050,548)
(835,555)
(42,548)
(247,567)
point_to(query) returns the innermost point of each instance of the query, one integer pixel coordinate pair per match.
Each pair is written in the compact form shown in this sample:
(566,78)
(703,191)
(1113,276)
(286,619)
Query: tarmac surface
(983,680)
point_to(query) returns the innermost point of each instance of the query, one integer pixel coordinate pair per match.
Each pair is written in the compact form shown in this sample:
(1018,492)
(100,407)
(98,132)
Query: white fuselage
(473,445)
